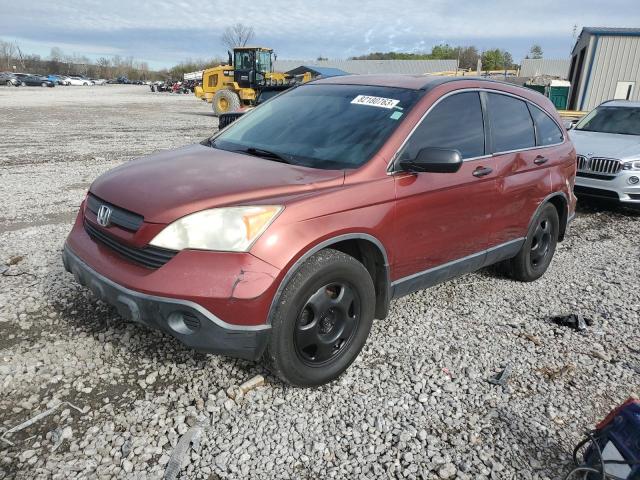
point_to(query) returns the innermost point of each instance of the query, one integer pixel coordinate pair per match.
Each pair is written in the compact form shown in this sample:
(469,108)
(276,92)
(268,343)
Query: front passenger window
(454,123)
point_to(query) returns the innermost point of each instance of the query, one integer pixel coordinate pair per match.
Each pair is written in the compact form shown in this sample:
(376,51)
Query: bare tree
(7,53)
(237,35)
(56,55)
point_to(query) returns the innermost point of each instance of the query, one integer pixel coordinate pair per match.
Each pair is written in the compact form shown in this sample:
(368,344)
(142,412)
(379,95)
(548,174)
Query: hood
(609,145)
(174,183)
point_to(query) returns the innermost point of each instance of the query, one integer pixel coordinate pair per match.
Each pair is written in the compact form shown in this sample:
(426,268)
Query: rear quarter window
(547,131)
(511,123)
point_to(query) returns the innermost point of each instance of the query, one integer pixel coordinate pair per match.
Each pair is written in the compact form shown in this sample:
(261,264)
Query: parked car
(79,81)
(294,227)
(57,79)
(9,79)
(27,80)
(607,141)
(264,94)
(99,81)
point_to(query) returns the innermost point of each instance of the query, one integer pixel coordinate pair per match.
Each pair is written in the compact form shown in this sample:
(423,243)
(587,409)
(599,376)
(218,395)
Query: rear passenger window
(511,124)
(547,131)
(455,123)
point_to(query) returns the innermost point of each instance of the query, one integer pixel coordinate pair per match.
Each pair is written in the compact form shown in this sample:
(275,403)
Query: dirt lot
(416,404)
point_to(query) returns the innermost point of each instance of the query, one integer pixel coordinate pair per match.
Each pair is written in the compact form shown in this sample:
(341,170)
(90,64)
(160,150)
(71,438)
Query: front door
(443,220)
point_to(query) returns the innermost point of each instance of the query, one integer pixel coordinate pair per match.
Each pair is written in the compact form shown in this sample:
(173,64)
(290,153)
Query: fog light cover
(633,180)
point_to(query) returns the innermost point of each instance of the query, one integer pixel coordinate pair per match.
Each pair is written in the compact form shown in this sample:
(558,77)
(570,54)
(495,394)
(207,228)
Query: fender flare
(320,246)
(563,215)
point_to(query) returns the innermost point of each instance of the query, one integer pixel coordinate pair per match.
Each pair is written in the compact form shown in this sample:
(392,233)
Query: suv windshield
(321,126)
(621,120)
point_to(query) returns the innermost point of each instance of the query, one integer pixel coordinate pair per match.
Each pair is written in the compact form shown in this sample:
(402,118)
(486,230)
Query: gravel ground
(416,403)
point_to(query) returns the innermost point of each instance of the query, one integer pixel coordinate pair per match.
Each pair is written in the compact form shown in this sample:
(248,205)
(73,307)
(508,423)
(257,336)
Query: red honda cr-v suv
(284,235)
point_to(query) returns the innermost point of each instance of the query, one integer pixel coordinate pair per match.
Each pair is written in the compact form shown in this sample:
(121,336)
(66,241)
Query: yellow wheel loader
(228,87)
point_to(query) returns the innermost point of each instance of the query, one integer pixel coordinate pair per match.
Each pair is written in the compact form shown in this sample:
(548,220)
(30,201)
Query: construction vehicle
(236,84)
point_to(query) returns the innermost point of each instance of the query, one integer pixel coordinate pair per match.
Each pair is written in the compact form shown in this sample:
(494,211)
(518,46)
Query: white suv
(607,142)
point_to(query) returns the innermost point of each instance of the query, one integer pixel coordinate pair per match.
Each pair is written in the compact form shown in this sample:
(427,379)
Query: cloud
(164,32)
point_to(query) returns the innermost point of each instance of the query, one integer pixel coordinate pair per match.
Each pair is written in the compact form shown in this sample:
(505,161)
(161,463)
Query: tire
(225,101)
(536,253)
(85,84)
(23,84)
(43,84)
(322,320)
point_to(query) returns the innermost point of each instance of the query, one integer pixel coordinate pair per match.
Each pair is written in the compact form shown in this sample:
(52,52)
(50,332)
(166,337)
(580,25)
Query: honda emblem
(104,216)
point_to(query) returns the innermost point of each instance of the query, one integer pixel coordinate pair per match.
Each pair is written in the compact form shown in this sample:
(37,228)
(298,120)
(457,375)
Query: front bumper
(187,321)
(618,188)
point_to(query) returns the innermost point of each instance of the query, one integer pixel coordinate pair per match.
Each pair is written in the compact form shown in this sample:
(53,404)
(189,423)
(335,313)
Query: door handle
(540,160)
(482,171)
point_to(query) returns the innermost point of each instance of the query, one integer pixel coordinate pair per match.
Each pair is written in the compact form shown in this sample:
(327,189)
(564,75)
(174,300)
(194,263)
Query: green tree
(443,52)
(496,59)
(535,52)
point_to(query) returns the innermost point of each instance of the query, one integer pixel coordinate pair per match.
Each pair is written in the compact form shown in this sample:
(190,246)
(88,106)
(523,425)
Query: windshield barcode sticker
(375,101)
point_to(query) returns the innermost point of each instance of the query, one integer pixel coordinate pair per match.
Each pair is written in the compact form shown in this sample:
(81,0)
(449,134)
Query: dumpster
(555,90)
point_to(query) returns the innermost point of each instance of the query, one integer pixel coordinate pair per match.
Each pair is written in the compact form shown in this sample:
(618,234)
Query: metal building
(605,65)
(554,67)
(416,67)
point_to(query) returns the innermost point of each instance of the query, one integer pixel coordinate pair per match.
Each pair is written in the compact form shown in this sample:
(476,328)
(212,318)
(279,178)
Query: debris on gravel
(415,404)
(575,320)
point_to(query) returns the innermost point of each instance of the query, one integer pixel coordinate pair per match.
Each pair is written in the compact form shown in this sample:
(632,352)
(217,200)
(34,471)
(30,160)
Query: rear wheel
(538,249)
(225,101)
(322,320)
(43,84)
(23,84)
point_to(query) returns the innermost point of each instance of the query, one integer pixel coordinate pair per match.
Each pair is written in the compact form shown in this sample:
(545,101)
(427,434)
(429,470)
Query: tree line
(13,59)
(467,56)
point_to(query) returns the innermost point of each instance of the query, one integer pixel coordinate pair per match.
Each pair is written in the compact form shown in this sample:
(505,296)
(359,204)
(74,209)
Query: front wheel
(43,84)
(536,253)
(23,84)
(225,101)
(322,320)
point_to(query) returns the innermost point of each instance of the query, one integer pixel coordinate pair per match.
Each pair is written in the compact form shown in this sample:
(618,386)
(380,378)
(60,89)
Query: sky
(164,33)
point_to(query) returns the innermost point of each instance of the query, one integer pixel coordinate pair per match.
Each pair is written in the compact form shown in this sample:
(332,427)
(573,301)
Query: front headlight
(229,229)
(633,165)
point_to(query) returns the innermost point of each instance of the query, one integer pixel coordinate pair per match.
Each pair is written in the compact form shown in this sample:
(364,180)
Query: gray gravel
(416,404)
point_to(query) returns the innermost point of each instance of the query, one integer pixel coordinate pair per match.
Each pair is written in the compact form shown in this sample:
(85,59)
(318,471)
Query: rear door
(442,218)
(522,136)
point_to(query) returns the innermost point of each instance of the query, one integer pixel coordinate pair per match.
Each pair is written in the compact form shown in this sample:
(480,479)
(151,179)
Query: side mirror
(435,160)
(569,124)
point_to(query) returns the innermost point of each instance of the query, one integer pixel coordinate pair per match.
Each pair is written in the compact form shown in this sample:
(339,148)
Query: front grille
(597,165)
(595,192)
(150,257)
(119,216)
(228,118)
(597,176)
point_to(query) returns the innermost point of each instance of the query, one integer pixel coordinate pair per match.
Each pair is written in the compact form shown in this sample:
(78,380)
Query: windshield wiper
(260,152)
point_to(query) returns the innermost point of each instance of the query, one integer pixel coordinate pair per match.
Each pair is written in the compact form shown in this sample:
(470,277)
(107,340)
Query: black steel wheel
(322,319)
(541,242)
(327,322)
